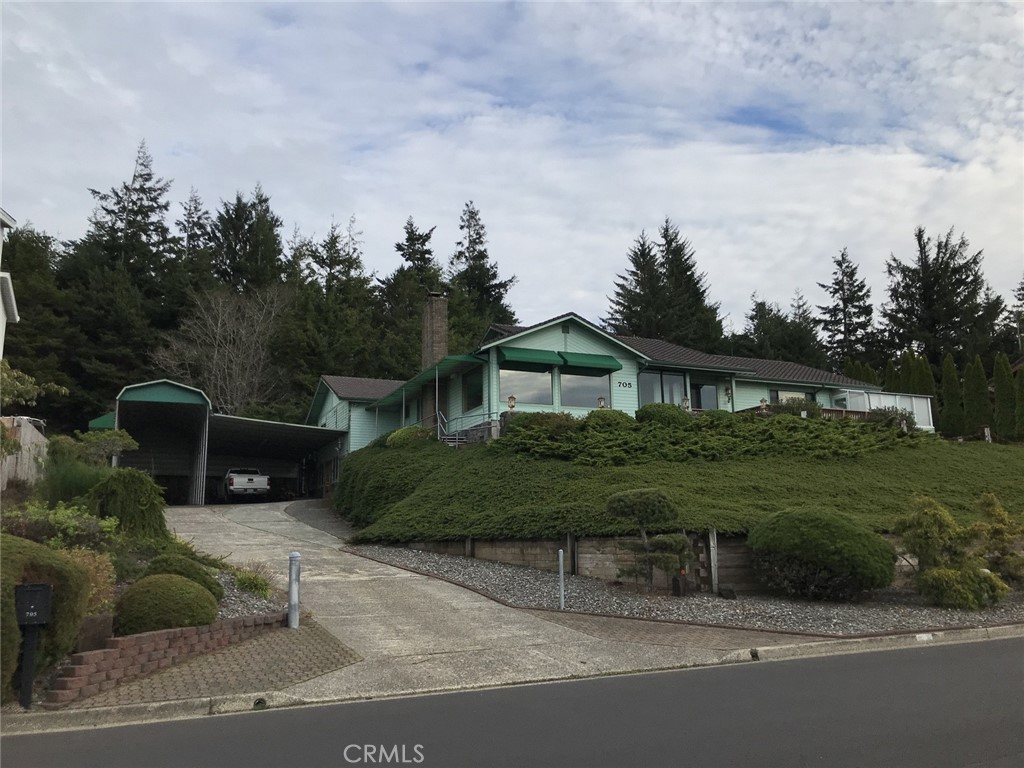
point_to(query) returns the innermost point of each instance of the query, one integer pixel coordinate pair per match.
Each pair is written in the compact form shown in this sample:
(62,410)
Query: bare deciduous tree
(223,347)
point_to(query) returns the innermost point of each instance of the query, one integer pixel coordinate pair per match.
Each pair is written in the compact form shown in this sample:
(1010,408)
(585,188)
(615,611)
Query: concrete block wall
(132,656)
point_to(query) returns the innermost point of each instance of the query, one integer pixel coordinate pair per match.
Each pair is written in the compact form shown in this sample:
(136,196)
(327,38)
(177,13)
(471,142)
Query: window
(650,387)
(473,389)
(673,389)
(704,397)
(527,386)
(583,391)
(782,395)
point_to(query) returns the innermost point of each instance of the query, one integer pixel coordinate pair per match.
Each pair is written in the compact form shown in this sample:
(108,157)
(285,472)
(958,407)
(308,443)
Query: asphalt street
(953,705)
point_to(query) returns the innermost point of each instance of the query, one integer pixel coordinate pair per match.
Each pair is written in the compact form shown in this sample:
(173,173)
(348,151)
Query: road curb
(884,643)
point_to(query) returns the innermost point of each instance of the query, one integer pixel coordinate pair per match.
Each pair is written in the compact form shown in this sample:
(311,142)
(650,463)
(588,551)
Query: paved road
(955,705)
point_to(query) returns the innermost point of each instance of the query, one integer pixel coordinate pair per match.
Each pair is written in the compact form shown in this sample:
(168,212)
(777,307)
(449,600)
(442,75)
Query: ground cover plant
(432,492)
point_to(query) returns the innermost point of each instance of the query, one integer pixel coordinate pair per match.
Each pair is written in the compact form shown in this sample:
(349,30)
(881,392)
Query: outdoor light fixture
(511,402)
(600,402)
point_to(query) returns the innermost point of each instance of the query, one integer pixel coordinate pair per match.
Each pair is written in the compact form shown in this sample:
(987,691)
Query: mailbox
(32,604)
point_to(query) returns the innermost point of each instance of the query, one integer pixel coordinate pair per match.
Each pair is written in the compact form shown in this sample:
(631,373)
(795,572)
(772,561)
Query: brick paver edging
(132,656)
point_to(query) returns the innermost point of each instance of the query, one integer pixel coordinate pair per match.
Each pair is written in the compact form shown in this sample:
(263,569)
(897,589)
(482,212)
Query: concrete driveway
(416,633)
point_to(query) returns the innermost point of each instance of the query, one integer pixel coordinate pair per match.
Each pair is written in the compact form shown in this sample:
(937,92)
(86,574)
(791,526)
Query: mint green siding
(748,394)
(366,426)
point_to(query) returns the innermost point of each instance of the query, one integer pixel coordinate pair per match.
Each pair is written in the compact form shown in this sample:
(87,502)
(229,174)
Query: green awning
(411,388)
(106,421)
(581,364)
(522,359)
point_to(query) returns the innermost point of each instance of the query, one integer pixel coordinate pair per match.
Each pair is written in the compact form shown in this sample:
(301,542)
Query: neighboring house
(340,403)
(567,364)
(8,306)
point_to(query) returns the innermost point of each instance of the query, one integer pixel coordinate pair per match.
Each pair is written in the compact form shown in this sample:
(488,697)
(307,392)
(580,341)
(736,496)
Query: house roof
(353,388)
(667,353)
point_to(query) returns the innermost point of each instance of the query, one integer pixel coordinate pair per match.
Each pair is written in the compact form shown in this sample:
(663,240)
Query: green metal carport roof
(267,439)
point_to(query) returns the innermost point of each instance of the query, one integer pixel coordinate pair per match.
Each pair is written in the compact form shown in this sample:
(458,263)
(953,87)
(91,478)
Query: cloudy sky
(773,135)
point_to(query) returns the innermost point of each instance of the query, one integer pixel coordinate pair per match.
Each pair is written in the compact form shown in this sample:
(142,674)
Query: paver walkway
(269,662)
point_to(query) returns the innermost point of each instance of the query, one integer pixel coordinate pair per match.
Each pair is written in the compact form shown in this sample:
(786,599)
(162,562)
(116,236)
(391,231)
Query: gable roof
(667,353)
(354,388)
(498,333)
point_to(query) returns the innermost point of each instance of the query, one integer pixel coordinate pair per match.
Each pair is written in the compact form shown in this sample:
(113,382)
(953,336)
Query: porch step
(454,440)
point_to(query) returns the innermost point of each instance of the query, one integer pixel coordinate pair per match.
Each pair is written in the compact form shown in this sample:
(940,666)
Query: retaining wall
(133,656)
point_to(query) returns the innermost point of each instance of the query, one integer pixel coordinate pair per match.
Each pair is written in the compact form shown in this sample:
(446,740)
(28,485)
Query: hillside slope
(428,491)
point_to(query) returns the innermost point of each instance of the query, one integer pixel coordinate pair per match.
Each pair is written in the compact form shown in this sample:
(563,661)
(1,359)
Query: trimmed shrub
(409,436)
(820,554)
(648,508)
(969,587)
(189,569)
(931,534)
(163,601)
(99,570)
(951,415)
(794,406)
(187,549)
(63,526)
(135,500)
(891,416)
(608,419)
(666,414)
(26,562)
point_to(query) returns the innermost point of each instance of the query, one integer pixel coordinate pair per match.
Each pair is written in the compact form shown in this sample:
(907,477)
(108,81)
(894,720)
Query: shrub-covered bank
(428,491)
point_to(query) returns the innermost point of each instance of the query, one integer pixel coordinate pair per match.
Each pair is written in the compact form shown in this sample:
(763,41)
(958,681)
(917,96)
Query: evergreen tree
(951,416)
(691,320)
(924,382)
(977,408)
(638,307)
(400,301)
(892,379)
(1020,404)
(247,250)
(765,331)
(195,242)
(939,303)
(128,231)
(801,342)
(478,297)
(846,322)
(905,378)
(1004,417)
(44,344)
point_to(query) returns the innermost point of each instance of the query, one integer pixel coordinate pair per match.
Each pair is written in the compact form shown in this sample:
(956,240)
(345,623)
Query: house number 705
(626,384)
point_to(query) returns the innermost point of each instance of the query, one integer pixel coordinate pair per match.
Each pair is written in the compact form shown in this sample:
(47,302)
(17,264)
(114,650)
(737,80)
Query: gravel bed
(889,611)
(238,602)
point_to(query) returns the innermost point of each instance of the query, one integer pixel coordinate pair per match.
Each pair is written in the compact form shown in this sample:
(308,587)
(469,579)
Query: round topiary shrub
(180,565)
(164,601)
(666,414)
(820,554)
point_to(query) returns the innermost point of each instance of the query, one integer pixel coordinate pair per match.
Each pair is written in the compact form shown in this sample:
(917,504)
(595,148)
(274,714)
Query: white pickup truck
(244,482)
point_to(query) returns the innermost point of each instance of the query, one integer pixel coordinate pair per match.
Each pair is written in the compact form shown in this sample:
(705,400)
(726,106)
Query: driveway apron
(415,633)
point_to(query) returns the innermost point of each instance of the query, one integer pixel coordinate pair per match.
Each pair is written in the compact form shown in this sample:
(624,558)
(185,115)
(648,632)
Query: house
(568,364)
(8,306)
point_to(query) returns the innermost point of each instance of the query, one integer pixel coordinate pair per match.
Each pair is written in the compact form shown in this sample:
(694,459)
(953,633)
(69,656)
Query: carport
(187,448)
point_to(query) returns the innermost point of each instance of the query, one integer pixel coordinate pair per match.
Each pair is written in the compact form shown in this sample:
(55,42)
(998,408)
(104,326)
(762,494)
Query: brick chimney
(435,329)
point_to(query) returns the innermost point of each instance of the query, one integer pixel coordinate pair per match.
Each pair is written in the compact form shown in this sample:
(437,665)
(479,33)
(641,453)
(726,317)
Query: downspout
(686,389)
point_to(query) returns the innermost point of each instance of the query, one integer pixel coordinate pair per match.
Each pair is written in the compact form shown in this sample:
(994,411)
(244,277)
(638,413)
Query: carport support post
(293,590)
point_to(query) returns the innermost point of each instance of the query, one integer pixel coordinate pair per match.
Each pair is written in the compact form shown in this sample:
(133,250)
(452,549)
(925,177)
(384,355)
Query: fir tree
(951,416)
(691,320)
(891,381)
(846,322)
(638,306)
(977,408)
(1004,417)
(247,250)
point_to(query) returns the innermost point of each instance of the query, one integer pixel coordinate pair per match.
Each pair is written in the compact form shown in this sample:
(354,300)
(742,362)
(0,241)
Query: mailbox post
(32,603)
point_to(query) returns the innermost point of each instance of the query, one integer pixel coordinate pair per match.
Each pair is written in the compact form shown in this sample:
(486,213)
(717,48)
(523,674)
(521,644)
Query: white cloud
(773,135)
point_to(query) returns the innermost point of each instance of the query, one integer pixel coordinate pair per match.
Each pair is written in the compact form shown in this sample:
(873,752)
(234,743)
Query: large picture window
(473,389)
(650,387)
(527,386)
(704,397)
(584,391)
